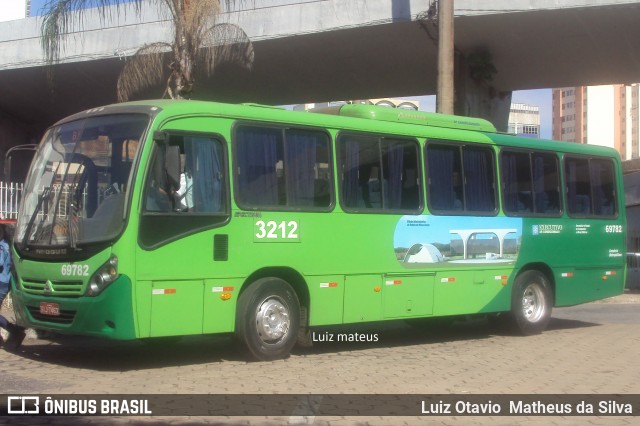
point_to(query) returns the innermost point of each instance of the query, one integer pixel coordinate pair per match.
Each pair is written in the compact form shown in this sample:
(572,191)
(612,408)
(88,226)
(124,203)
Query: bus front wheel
(531,303)
(268,319)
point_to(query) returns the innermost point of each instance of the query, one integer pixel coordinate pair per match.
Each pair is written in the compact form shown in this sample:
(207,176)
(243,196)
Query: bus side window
(516,181)
(282,169)
(445,191)
(461,178)
(546,184)
(602,181)
(201,185)
(590,186)
(379,173)
(530,183)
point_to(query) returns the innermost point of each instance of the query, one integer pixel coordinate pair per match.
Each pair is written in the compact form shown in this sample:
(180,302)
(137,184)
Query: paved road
(591,349)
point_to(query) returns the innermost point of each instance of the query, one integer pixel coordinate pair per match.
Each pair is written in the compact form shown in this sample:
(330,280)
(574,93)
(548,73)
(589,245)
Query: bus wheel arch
(544,269)
(290,275)
(531,300)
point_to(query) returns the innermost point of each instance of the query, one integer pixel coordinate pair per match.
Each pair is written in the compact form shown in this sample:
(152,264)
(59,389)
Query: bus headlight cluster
(103,277)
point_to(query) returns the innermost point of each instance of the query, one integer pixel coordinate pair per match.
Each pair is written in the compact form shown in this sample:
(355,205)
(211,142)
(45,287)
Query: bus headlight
(103,277)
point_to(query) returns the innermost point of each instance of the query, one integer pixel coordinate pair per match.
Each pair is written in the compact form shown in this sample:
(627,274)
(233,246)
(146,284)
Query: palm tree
(200,43)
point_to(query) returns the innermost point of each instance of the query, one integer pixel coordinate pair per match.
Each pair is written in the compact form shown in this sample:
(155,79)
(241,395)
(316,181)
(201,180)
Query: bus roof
(351,117)
(422,118)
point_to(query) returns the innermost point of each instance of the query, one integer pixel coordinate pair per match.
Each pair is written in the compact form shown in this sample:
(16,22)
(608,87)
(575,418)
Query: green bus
(170,218)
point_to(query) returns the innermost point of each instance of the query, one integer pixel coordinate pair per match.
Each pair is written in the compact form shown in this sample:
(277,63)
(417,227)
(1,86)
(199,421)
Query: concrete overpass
(321,50)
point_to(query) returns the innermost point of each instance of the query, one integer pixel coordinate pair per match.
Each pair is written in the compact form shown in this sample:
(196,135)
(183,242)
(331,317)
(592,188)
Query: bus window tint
(479,185)
(461,179)
(516,177)
(379,173)
(445,178)
(282,169)
(307,169)
(530,183)
(602,181)
(546,184)
(590,187)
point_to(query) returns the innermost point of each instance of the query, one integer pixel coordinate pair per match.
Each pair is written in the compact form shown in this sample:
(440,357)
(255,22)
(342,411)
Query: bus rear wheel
(531,303)
(268,319)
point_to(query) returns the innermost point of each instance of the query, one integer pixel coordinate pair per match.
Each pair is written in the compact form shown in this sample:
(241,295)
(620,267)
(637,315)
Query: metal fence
(10,196)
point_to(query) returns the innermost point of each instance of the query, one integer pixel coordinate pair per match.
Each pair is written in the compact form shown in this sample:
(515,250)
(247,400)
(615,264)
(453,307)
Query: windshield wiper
(46,192)
(71,211)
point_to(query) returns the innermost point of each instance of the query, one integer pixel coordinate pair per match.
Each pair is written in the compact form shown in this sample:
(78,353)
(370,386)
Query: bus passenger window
(546,183)
(379,173)
(516,178)
(530,183)
(590,187)
(445,178)
(479,186)
(461,179)
(283,169)
(602,180)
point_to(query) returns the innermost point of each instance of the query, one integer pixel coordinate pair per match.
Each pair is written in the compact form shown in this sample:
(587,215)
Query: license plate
(49,308)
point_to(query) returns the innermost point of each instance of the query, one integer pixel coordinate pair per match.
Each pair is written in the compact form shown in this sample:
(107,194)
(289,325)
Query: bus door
(184,201)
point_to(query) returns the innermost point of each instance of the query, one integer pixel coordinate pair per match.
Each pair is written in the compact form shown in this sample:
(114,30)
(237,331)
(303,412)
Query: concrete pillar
(475,95)
(445,95)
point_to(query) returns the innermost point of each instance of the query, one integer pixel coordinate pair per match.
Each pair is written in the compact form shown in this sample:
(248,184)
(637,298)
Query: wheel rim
(272,320)
(533,303)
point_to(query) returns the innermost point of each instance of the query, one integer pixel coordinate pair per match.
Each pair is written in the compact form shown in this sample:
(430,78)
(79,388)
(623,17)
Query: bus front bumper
(109,315)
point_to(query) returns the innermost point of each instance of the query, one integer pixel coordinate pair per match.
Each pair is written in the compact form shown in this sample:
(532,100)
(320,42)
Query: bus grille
(58,288)
(65,317)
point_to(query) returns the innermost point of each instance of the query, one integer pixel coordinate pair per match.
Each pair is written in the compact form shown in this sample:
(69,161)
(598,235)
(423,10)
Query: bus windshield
(77,187)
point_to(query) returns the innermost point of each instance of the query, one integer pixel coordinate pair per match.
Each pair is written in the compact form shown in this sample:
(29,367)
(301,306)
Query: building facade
(605,115)
(524,120)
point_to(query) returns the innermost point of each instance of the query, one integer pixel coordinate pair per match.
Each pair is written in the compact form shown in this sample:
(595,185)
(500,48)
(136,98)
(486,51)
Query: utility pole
(445,95)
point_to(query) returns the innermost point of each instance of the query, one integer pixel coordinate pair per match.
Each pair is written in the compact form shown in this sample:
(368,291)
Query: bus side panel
(579,285)
(363,298)
(472,291)
(176,307)
(220,298)
(585,255)
(143,308)
(408,296)
(326,298)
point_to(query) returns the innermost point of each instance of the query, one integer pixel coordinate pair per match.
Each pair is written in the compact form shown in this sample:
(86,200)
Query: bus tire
(268,319)
(531,303)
